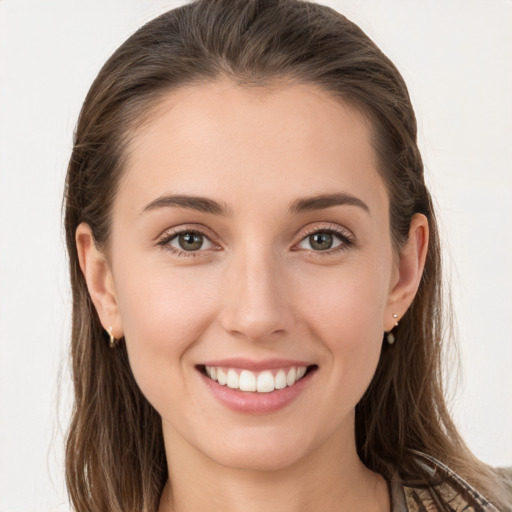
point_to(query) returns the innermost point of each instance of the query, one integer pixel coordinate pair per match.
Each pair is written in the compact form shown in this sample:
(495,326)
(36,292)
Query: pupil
(190,241)
(321,241)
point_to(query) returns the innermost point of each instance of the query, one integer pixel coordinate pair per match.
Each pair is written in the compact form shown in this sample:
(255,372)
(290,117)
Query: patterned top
(453,494)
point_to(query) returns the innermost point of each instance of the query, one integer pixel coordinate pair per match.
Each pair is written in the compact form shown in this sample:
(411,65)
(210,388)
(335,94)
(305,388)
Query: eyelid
(170,234)
(346,236)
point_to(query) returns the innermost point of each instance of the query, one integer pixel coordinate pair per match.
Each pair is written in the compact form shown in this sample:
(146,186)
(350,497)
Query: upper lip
(249,364)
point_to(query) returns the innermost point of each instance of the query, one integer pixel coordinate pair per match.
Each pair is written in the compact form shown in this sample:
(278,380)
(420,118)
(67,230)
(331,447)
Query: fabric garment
(452,494)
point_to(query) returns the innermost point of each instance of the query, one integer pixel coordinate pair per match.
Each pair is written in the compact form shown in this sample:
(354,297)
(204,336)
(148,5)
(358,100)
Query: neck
(331,478)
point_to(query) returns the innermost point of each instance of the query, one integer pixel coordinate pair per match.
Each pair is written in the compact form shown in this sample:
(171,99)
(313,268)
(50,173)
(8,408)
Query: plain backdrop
(456,57)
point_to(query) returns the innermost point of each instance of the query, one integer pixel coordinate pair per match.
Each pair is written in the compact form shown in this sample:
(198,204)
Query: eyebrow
(322,201)
(200,204)
(205,205)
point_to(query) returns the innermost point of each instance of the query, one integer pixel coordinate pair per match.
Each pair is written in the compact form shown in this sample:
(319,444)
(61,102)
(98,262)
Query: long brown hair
(115,456)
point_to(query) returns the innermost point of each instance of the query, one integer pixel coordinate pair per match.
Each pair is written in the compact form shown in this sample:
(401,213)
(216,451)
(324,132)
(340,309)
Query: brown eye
(325,240)
(321,241)
(190,241)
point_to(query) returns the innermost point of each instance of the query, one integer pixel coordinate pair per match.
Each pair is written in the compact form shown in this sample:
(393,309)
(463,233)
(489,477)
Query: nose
(256,301)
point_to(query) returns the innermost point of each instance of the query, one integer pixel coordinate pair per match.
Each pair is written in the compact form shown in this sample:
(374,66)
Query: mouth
(264,381)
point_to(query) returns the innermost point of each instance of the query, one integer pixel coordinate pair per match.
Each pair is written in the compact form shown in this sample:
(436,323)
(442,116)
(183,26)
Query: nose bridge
(256,304)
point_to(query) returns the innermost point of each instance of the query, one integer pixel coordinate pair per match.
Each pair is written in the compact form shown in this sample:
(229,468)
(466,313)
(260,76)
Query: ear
(98,277)
(411,262)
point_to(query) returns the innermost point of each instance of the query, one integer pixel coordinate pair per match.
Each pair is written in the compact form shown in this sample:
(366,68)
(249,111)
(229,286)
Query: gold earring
(390,337)
(112,341)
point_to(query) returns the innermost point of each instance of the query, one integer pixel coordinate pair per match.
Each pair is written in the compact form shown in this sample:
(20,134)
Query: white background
(456,57)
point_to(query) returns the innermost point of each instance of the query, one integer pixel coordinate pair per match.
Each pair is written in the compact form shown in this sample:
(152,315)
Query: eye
(187,241)
(325,240)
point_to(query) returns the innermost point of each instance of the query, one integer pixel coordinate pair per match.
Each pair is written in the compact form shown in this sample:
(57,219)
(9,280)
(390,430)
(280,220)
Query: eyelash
(346,239)
(169,237)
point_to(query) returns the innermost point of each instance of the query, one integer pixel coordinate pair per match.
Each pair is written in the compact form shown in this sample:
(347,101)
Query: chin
(257,461)
(258,453)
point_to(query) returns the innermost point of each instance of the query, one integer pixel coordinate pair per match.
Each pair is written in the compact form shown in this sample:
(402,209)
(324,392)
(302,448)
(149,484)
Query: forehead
(219,137)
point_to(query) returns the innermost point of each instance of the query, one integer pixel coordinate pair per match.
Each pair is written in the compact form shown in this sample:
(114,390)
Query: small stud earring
(112,343)
(390,337)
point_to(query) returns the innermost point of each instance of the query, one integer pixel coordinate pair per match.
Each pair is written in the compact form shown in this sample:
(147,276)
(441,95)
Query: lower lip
(253,402)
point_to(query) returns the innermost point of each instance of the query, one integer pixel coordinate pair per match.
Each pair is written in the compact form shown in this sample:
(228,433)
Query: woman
(256,276)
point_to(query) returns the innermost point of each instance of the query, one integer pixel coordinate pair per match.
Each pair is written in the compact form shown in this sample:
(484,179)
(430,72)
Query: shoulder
(451,494)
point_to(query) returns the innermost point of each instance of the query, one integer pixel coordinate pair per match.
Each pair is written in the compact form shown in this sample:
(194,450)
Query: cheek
(163,313)
(162,304)
(347,305)
(346,313)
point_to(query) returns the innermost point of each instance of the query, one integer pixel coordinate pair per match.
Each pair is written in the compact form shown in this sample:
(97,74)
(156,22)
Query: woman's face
(250,234)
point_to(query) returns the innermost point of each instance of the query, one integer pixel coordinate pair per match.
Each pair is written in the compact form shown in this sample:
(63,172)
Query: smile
(256,387)
(260,382)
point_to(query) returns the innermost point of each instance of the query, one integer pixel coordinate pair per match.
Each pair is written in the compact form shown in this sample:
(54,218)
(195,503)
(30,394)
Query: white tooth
(290,378)
(208,371)
(301,372)
(232,379)
(280,379)
(221,377)
(265,382)
(213,372)
(247,381)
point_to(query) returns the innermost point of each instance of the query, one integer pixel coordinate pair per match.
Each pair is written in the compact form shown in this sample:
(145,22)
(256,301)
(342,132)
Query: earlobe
(98,277)
(411,263)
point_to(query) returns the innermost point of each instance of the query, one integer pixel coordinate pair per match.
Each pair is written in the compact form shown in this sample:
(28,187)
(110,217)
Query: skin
(258,289)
